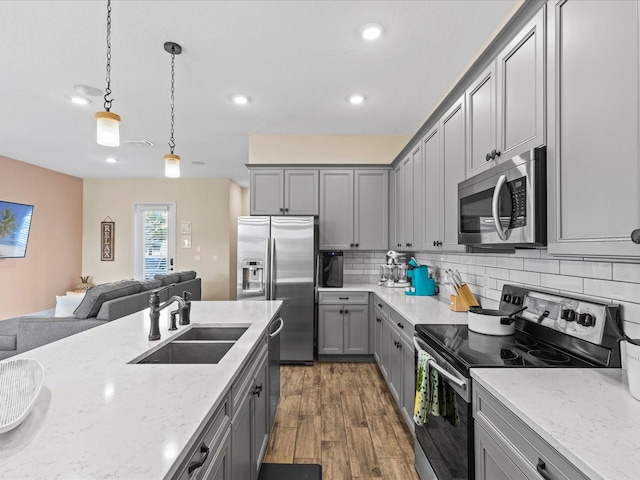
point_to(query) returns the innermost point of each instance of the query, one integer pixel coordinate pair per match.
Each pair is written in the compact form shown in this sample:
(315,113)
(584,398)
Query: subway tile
(510,262)
(581,268)
(615,290)
(498,273)
(490,283)
(539,265)
(501,283)
(353,272)
(453,258)
(527,253)
(630,312)
(476,270)
(486,260)
(493,294)
(467,259)
(626,272)
(529,278)
(562,282)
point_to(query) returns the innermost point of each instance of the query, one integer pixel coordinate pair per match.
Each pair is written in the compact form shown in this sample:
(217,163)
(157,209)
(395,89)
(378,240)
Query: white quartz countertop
(98,416)
(416,309)
(588,415)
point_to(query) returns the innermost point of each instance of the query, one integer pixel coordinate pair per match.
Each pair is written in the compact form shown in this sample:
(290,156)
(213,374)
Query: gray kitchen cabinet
(408,190)
(220,468)
(505,104)
(343,328)
(399,206)
(381,343)
(593,152)
(395,367)
(408,382)
(505,447)
(354,209)
(432,210)
(276,191)
(250,422)
(452,162)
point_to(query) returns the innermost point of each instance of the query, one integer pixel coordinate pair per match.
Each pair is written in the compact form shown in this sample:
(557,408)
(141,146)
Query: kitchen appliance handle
(460,383)
(265,279)
(494,207)
(272,273)
(277,332)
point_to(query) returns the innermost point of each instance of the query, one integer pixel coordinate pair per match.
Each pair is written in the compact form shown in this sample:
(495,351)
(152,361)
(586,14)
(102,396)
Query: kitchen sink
(204,332)
(191,351)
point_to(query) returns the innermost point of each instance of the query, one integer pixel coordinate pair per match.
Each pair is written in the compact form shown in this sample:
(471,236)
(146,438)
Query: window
(154,239)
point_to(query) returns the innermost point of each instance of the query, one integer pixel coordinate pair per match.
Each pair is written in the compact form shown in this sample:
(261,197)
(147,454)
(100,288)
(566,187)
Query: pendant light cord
(107,100)
(172,143)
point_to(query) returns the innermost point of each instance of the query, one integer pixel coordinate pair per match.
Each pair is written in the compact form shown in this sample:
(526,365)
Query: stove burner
(525,341)
(506,354)
(549,356)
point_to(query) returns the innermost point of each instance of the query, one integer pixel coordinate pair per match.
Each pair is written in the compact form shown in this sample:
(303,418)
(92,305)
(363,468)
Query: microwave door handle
(495,204)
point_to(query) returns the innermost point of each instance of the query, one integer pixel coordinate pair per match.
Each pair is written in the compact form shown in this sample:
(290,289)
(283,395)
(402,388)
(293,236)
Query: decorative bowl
(20,384)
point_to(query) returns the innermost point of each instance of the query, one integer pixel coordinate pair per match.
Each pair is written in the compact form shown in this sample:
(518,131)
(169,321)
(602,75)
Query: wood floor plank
(371,401)
(333,428)
(312,377)
(308,461)
(362,456)
(335,461)
(396,469)
(353,411)
(288,411)
(310,402)
(282,443)
(293,385)
(308,440)
(330,392)
(384,438)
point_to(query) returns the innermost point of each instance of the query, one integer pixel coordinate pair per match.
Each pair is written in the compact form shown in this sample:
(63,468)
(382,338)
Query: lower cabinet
(220,468)
(249,425)
(395,355)
(506,448)
(343,329)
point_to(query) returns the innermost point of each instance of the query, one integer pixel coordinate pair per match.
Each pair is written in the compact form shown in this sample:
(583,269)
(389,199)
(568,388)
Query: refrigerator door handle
(272,273)
(265,280)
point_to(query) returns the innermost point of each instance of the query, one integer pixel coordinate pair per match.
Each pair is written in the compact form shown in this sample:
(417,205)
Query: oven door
(444,451)
(502,206)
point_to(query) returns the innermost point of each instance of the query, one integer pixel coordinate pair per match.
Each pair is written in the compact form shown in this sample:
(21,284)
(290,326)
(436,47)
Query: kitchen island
(99,416)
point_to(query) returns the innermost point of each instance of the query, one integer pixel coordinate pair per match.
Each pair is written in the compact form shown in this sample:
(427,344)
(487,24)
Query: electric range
(553,331)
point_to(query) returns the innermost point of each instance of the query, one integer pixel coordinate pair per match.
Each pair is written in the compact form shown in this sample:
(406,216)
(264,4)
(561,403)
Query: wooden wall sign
(107,236)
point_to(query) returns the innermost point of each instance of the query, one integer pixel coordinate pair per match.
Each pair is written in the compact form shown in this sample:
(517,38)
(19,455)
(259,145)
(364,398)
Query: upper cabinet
(593,149)
(276,191)
(354,209)
(408,190)
(505,104)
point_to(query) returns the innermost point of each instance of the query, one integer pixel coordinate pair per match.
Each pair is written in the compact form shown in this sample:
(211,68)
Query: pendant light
(171,161)
(107,122)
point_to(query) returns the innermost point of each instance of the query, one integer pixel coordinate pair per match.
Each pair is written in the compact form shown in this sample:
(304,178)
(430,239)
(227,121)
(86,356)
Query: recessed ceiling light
(241,99)
(112,160)
(87,90)
(371,31)
(79,100)
(356,98)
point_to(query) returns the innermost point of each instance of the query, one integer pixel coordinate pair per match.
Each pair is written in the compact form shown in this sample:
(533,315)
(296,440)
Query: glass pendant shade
(172,166)
(108,129)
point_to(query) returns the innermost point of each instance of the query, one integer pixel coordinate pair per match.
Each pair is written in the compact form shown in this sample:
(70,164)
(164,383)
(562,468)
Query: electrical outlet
(197,258)
(215,258)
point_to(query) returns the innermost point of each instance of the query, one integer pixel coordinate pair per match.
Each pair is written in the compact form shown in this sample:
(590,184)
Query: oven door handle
(495,204)
(460,383)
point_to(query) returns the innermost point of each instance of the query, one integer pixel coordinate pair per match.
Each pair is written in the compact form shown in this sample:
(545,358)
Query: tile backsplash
(607,281)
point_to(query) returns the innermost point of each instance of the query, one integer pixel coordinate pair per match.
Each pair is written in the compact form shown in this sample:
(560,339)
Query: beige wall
(52,264)
(312,149)
(209,204)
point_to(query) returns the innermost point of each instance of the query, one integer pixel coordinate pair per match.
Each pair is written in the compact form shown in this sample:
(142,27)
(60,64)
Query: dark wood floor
(342,416)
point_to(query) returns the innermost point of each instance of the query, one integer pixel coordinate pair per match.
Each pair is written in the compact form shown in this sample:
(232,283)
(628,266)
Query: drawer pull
(380,305)
(542,470)
(400,325)
(343,298)
(194,465)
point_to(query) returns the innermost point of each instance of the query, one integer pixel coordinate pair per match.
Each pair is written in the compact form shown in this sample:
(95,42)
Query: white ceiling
(297,60)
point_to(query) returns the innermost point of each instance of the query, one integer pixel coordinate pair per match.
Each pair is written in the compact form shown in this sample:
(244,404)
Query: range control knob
(516,300)
(585,319)
(507,298)
(568,315)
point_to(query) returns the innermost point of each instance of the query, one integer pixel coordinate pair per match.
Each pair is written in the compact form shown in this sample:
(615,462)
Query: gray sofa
(101,304)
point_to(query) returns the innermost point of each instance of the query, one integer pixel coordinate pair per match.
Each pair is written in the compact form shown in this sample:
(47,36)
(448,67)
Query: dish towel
(433,397)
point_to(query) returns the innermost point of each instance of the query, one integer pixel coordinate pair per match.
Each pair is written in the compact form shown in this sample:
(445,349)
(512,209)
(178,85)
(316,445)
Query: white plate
(20,384)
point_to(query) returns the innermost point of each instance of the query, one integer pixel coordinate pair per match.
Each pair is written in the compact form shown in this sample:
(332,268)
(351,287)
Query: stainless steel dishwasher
(274,368)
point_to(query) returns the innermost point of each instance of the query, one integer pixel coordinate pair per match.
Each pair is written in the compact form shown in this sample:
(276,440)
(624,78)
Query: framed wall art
(107,239)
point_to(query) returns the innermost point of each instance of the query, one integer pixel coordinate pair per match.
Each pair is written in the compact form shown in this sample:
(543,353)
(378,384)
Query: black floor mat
(290,471)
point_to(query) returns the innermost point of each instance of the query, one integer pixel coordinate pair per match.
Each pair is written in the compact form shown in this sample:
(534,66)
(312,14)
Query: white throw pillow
(65,305)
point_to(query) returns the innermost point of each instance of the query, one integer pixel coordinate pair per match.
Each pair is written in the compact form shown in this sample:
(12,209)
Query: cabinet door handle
(400,245)
(281,209)
(341,311)
(542,470)
(286,210)
(351,245)
(194,465)
(488,157)
(257,390)
(343,298)
(380,305)
(357,245)
(400,325)
(378,319)
(346,311)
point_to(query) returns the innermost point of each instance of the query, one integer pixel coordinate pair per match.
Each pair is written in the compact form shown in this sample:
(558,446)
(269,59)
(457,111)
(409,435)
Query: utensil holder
(633,369)
(457,304)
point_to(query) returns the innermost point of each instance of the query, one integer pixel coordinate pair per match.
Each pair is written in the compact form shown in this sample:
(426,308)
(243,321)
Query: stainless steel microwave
(506,205)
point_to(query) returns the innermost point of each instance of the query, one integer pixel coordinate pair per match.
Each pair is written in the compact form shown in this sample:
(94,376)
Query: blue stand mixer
(420,281)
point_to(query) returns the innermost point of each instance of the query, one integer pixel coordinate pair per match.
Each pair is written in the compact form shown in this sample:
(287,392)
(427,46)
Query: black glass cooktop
(470,349)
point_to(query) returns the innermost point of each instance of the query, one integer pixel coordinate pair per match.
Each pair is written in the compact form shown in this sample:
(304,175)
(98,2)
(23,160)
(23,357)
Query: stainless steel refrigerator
(276,261)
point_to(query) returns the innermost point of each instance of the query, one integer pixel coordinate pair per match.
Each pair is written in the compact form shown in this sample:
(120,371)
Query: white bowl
(20,384)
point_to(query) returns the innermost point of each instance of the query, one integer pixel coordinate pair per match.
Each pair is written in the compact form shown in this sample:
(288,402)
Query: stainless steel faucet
(156,308)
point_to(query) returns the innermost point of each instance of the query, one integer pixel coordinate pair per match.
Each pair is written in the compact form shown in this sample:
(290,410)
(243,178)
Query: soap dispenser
(185,315)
